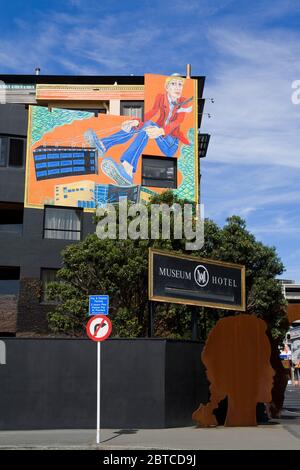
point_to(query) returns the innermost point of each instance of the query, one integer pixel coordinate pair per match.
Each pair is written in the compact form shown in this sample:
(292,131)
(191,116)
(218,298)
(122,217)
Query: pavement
(271,437)
(276,435)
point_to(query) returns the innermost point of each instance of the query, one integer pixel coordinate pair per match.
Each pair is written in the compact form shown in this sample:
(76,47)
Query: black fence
(145,383)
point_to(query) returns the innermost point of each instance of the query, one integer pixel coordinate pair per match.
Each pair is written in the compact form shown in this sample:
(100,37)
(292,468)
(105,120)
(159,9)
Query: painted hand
(154,132)
(128,125)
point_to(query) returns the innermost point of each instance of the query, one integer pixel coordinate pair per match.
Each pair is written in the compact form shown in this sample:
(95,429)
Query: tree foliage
(119,268)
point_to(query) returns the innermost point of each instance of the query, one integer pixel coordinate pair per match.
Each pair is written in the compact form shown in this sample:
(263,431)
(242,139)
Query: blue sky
(249,52)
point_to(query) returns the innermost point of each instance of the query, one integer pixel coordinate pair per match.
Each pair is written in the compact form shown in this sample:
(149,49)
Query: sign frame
(100,297)
(92,319)
(200,303)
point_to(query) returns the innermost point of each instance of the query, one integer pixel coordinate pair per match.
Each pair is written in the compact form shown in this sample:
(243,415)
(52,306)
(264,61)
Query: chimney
(37,70)
(188,70)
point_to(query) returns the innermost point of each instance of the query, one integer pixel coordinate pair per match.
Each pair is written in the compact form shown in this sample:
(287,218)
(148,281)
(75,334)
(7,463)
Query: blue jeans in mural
(167,144)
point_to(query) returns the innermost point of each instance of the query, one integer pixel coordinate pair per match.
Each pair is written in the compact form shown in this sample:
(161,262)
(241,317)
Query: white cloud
(253,163)
(253,118)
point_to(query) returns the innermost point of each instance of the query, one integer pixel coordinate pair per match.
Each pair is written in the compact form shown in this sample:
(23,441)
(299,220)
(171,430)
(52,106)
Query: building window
(12,151)
(62,223)
(9,280)
(203,141)
(47,275)
(11,217)
(133,109)
(159,172)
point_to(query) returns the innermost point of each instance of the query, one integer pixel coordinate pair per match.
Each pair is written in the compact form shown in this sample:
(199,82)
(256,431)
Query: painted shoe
(91,138)
(116,172)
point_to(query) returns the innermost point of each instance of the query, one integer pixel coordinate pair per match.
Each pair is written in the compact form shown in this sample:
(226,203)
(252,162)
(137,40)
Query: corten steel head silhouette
(237,360)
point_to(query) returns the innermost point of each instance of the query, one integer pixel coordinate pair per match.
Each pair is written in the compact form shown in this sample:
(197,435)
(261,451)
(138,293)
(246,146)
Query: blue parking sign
(98,304)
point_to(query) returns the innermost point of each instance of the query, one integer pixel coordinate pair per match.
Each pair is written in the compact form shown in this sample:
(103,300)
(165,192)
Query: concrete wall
(13,121)
(27,250)
(180,400)
(146,383)
(30,250)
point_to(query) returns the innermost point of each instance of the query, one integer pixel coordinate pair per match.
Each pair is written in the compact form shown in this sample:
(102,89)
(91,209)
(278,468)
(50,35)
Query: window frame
(78,209)
(158,158)
(124,103)
(17,277)
(7,156)
(17,207)
(43,300)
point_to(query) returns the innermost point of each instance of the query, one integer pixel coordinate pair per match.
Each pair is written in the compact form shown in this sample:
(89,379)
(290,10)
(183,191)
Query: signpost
(188,280)
(98,329)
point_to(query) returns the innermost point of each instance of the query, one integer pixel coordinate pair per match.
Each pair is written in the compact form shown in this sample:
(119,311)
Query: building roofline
(85,80)
(70,79)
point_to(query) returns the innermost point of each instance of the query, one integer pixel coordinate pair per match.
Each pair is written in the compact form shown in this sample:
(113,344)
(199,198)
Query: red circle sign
(98,328)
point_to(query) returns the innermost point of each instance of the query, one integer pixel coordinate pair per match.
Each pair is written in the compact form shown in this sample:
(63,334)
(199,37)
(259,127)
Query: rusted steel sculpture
(237,360)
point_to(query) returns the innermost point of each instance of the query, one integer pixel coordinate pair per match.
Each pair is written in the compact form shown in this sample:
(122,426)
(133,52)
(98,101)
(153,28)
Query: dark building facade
(30,245)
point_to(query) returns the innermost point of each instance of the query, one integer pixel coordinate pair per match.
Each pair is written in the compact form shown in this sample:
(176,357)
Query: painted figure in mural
(237,360)
(170,107)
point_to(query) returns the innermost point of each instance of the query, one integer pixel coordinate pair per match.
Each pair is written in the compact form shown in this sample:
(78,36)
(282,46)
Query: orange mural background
(38,193)
(155,84)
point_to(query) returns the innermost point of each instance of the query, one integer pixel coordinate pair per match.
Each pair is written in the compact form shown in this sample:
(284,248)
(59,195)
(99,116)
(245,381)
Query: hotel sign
(184,279)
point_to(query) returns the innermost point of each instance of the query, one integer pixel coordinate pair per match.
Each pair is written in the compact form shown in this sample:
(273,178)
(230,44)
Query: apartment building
(53,175)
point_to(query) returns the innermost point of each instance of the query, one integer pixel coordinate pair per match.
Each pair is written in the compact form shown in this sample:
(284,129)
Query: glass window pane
(157,183)
(16,152)
(61,235)
(159,172)
(126,111)
(9,280)
(62,223)
(11,217)
(3,151)
(132,109)
(47,276)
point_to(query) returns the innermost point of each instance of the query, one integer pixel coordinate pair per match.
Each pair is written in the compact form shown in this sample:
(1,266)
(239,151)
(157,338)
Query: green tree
(120,268)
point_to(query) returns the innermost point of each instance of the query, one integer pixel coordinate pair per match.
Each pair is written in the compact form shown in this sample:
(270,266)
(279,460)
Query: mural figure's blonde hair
(174,77)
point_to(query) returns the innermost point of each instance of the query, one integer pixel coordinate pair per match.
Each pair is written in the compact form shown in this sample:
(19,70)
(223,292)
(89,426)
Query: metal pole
(151,319)
(98,390)
(194,324)
(292,375)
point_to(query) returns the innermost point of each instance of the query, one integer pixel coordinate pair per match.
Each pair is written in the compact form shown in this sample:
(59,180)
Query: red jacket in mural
(162,106)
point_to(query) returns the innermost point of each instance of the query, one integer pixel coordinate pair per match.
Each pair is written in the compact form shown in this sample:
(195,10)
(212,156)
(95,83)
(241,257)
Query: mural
(75,158)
